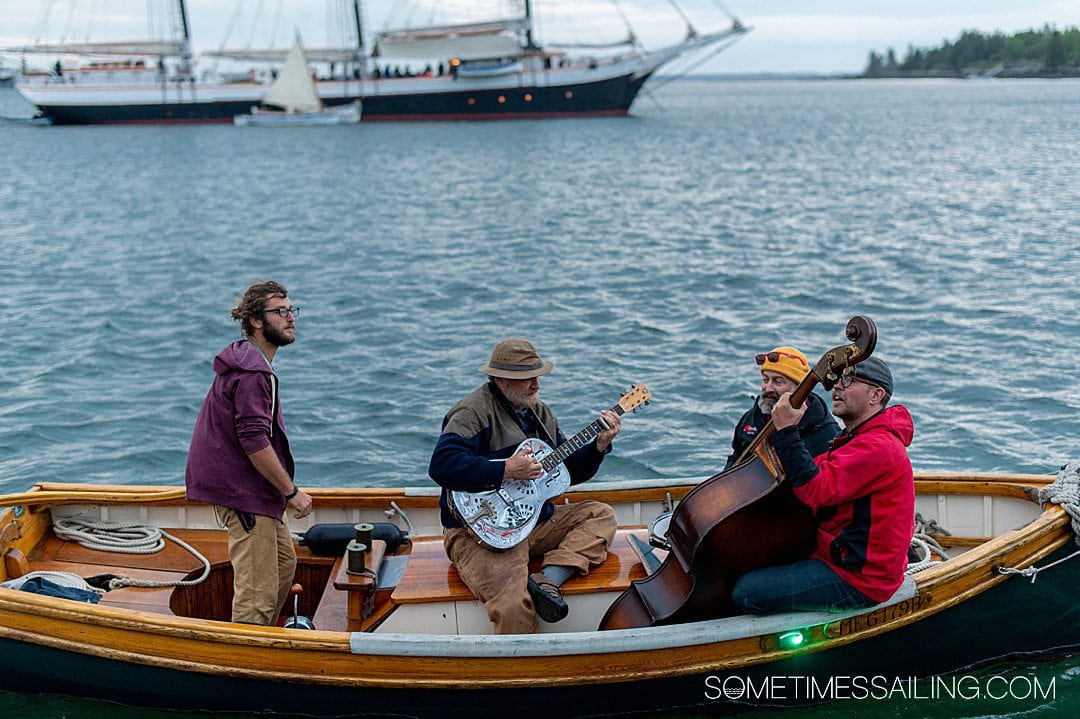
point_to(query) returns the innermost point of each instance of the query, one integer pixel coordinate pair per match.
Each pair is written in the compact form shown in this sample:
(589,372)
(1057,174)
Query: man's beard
(766,404)
(521,399)
(277,337)
(844,412)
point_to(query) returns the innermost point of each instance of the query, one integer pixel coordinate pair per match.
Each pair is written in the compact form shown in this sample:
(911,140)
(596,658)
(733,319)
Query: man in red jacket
(862,493)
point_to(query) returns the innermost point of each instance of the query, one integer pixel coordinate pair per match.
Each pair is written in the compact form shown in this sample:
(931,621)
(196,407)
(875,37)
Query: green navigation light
(791,640)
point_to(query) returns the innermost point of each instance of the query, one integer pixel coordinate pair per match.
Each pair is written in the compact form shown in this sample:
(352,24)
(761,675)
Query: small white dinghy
(295,93)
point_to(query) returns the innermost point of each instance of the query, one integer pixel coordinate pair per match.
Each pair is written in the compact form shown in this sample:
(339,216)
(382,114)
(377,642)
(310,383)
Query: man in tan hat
(477,451)
(782,369)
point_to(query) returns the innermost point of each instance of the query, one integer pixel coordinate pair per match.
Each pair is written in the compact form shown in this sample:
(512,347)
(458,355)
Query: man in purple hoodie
(240,461)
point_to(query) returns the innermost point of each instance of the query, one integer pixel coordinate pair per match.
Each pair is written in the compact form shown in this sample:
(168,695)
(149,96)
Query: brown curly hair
(254,302)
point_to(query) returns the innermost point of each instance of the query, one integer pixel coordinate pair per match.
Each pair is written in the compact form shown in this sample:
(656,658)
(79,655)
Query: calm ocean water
(722,219)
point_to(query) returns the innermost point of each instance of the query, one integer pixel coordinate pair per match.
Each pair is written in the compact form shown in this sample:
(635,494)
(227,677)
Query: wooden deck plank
(89,570)
(430,577)
(154,599)
(172,563)
(211,543)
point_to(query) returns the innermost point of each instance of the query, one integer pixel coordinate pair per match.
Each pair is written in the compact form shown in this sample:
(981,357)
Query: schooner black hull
(607,97)
(382,101)
(164,113)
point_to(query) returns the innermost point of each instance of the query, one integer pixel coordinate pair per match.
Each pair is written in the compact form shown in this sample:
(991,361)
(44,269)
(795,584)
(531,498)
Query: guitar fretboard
(579,440)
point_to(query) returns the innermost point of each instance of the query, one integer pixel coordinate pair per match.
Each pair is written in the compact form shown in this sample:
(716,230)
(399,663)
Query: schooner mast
(181,19)
(361,53)
(185,32)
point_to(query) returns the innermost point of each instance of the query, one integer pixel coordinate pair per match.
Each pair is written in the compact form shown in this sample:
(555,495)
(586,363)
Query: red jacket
(862,491)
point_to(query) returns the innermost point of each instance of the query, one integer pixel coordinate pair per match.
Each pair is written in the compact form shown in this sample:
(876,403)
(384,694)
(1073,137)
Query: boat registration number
(862,622)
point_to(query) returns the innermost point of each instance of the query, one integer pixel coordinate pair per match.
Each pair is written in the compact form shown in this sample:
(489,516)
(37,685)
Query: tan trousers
(264,564)
(576,535)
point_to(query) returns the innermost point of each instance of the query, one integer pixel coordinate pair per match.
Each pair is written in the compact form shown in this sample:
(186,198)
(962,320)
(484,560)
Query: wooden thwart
(430,577)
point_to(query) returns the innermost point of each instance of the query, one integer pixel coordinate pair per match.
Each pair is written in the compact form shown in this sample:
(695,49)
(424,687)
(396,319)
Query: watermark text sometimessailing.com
(788,688)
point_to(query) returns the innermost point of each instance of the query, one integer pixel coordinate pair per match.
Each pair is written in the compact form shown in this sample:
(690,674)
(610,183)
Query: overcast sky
(817,36)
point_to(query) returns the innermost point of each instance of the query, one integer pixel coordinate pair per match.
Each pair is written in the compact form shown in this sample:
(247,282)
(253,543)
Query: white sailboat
(295,93)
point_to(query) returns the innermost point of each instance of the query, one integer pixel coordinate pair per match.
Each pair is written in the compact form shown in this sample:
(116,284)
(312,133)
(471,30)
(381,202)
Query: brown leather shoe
(547,598)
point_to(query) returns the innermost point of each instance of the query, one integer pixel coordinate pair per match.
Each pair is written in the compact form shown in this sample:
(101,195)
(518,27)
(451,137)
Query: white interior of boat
(574,643)
(445,620)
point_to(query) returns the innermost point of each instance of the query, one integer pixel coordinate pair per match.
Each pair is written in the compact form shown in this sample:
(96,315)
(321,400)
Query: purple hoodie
(240,416)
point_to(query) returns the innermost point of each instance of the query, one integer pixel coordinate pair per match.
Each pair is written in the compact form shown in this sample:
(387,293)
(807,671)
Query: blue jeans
(808,585)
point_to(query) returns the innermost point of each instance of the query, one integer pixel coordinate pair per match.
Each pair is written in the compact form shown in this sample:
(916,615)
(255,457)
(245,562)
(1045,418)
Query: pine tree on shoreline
(1048,52)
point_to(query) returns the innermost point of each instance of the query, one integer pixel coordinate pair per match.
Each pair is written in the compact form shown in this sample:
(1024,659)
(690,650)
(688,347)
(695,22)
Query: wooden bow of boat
(419,644)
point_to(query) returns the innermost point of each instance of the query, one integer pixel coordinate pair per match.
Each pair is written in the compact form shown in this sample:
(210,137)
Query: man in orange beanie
(782,369)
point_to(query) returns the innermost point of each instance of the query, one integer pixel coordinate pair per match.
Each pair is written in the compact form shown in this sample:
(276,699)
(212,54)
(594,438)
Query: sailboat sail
(294,89)
(476,41)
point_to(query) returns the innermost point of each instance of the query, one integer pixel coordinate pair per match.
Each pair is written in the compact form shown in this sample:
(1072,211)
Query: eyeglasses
(847,378)
(775,357)
(285,311)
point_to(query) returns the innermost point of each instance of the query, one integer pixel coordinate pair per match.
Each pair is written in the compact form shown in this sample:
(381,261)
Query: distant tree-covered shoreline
(1048,52)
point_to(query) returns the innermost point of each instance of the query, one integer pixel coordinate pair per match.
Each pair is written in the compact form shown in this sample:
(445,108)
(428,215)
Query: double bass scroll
(736,520)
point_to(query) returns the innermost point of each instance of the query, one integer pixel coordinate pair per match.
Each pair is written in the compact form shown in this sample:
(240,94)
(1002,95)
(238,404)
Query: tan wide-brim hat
(516,359)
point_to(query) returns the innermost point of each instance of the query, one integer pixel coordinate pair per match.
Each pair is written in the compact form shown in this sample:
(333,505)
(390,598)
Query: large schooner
(477,71)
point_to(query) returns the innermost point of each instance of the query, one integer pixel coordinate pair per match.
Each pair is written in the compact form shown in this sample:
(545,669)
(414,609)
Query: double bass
(740,519)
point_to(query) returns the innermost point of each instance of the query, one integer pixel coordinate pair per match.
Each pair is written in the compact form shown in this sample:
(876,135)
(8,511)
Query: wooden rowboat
(417,644)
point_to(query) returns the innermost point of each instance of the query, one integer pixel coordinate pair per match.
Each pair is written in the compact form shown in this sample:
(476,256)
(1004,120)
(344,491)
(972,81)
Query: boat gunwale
(45,494)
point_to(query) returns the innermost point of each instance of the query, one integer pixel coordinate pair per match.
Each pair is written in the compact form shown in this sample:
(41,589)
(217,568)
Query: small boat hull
(963,609)
(983,629)
(340,115)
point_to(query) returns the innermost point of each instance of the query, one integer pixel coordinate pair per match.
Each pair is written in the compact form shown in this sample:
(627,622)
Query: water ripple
(667,248)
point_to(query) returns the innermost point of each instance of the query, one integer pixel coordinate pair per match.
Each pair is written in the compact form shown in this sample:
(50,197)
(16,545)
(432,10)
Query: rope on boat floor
(1065,492)
(924,544)
(923,548)
(126,538)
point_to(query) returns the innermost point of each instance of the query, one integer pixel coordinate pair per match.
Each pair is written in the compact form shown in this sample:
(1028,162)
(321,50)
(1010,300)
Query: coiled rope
(922,548)
(925,545)
(126,538)
(1065,492)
